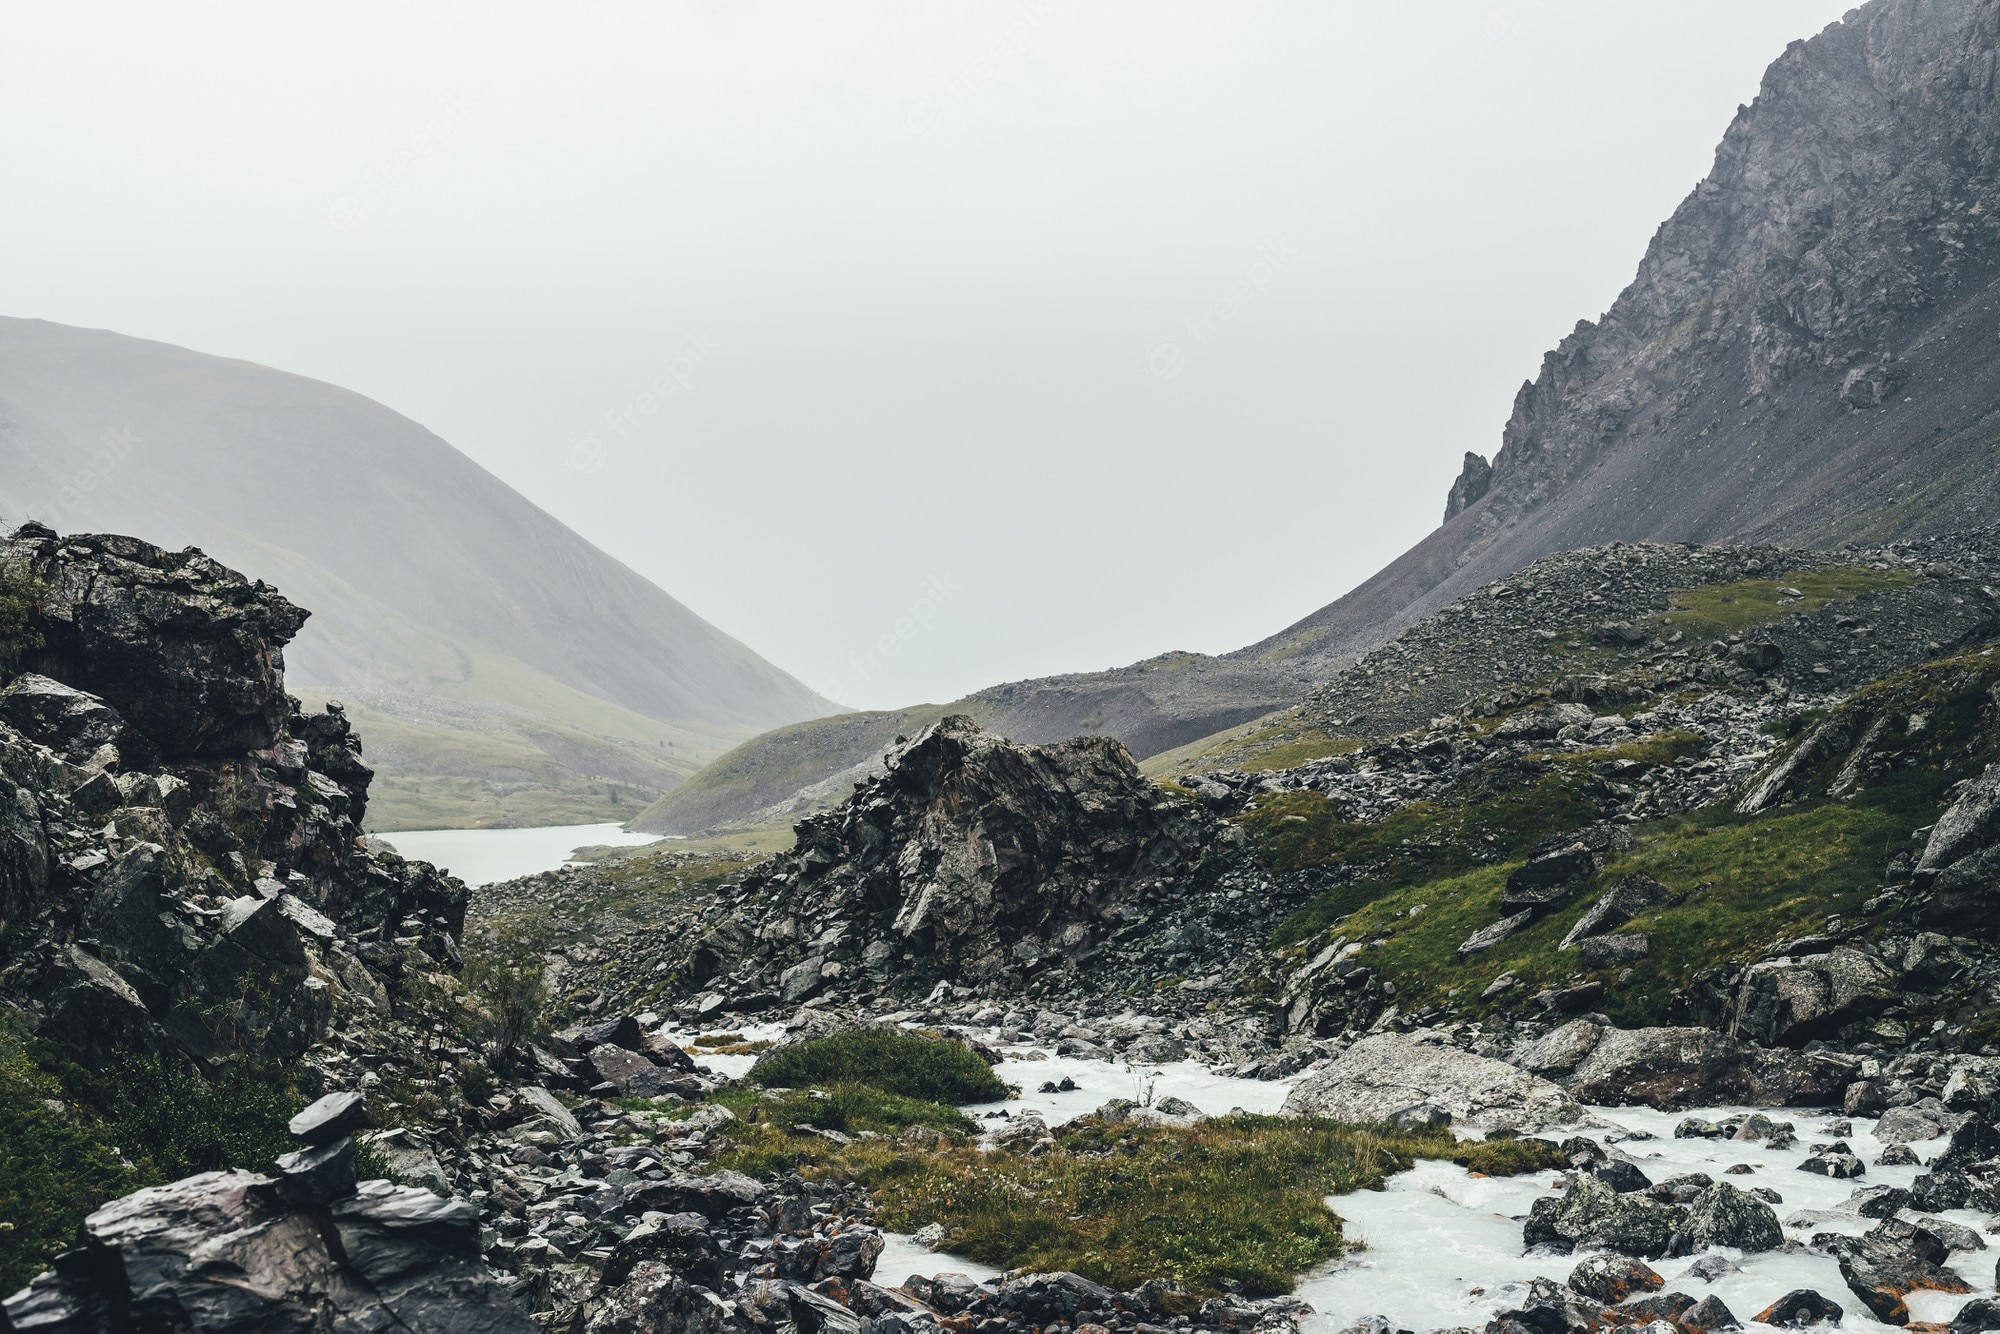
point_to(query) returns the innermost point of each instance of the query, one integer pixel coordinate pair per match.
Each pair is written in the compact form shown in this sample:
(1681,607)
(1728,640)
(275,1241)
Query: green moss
(1714,610)
(933,1070)
(1739,885)
(1262,746)
(55,1167)
(1234,1203)
(71,1140)
(1494,817)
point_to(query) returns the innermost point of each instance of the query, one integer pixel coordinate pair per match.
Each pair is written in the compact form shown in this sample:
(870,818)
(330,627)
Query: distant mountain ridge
(505,667)
(1803,359)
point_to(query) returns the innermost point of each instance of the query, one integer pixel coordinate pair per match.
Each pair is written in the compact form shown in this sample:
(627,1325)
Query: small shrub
(506,995)
(173,1123)
(21,596)
(928,1069)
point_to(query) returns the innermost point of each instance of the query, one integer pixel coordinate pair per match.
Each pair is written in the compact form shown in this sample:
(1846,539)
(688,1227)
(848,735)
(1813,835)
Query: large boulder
(1387,1072)
(187,650)
(1790,1001)
(1892,1261)
(1969,824)
(1725,1216)
(1590,1215)
(73,723)
(1672,1068)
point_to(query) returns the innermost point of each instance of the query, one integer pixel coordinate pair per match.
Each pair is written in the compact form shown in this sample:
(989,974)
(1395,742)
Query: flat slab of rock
(1388,1072)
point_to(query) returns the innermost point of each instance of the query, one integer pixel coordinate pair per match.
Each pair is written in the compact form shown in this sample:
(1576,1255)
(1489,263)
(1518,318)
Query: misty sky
(1080,331)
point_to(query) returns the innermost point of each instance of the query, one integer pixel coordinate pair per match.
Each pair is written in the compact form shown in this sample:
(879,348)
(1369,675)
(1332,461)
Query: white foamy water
(488,856)
(1444,1247)
(1440,1247)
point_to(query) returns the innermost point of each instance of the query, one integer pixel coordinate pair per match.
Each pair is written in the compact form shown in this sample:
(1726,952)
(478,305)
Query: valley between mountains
(1591,922)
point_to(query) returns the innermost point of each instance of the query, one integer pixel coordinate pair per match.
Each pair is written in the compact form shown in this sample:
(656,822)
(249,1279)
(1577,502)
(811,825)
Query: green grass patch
(1238,1201)
(1740,884)
(1495,817)
(1257,747)
(933,1070)
(1715,610)
(71,1140)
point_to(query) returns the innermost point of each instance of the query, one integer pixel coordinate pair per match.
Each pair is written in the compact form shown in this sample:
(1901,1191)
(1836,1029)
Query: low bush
(20,595)
(71,1140)
(928,1069)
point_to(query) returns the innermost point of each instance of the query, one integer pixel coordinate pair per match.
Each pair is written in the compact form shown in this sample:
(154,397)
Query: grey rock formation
(1591,1215)
(182,869)
(1892,1261)
(970,858)
(1387,1072)
(1739,387)
(1678,1067)
(1475,478)
(1788,1001)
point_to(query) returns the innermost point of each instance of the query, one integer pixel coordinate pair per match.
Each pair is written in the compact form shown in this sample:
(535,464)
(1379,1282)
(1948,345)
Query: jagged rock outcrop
(971,859)
(182,867)
(191,653)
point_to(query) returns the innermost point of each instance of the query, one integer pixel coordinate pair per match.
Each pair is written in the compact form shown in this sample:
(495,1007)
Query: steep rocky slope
(1801,360)
(497,656)
(1802,357)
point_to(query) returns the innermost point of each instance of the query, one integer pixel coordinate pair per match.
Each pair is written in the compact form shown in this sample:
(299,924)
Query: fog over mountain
(501,653)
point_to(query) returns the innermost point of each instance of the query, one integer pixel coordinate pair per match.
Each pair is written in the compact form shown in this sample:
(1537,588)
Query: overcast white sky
(1104,329)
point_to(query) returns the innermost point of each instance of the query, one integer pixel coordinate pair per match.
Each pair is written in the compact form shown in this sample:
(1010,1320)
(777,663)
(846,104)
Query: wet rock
(187,651)
(1907,1125)
(1708,1316)
(1387,1072)
(1677,1067)
(1724,1216)
(1977,1316)
(1890,1262)
(1801,1308)
(1592,1215)
(1611,1279)
(1622,1175)
(1836,1161)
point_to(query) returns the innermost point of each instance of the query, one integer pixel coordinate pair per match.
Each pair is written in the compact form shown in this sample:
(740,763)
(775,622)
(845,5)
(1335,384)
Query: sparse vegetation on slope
(1234,1203)
(20,594)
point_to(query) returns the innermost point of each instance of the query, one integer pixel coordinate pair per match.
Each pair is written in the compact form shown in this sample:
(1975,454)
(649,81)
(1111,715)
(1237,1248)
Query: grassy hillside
(441,598)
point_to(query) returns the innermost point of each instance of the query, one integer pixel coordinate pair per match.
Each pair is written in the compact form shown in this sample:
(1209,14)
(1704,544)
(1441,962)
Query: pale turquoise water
(485,856)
